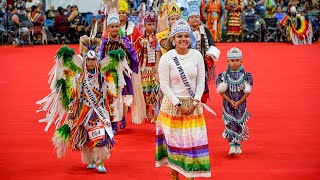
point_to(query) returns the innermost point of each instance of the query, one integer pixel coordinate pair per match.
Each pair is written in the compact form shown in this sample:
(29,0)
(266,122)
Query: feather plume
(61,140)
(100,154)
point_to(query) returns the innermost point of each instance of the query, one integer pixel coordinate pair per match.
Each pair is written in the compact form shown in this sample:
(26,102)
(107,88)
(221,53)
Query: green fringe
(118,54)
(64,52)
(111,66)
(121,32)
(64,97)
(67,54)
(64,132)
(68,87)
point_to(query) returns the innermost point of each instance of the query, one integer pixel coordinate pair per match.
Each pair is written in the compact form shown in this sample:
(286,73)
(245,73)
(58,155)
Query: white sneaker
(91,166)
(101,169)
(238,150)
(232,151)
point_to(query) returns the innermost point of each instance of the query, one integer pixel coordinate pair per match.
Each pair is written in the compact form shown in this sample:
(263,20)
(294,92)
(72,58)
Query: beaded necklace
(235,85)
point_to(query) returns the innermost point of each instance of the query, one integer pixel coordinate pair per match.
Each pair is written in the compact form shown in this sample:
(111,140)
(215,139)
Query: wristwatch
(178,104)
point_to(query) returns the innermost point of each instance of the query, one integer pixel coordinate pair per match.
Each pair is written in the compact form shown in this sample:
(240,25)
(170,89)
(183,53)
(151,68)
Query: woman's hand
(192,107)
(184,110)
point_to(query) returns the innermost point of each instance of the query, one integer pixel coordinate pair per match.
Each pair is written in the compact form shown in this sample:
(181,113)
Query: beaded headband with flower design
(234,53)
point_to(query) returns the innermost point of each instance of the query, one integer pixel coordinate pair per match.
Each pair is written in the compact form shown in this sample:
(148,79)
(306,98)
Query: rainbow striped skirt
(181,141)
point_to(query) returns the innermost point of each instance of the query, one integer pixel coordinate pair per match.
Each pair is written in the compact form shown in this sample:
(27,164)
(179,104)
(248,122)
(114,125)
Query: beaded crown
(123,6)
(180,25)
(150,16)
(194,9)
(174,10)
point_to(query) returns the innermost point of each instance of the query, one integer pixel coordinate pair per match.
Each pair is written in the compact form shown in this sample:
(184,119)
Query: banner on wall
(83,5)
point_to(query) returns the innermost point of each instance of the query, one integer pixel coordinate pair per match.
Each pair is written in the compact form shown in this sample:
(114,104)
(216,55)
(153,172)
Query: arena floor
(283,143)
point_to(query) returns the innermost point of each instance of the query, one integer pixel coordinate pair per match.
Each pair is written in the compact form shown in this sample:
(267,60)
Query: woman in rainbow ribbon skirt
(181,135)
(81,103)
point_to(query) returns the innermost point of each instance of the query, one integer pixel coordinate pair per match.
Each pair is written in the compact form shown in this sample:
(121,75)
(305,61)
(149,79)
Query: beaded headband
(234,53)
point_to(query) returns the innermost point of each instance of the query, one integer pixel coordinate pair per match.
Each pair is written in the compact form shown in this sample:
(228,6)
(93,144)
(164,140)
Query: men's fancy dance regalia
(181,140)
(128,61)
(150,49)
(206,46)
(297,28)
(79,103)
(235,84)
(164,36)
(234,24)
(215,11)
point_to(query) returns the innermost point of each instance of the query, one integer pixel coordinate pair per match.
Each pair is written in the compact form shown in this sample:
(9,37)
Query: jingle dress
(235,119)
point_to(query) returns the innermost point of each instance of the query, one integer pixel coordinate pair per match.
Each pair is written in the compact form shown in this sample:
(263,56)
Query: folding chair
(271,30)
(251,28)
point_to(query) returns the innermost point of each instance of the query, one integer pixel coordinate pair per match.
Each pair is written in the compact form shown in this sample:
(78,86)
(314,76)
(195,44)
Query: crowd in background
(29,23)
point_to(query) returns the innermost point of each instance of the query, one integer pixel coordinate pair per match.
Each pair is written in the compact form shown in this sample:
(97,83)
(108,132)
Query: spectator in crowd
(280,3)
(316,28)
(69,10)
(3,4)
(21,6)
(59,18)
(35,16)
(12,13)
(74,19)
(51,13)
(312,6)
(260,8)
(293,2)
(269,12)
(249,10)
(31,3)
(280,15)
(74,14)
(270,6)
(301,7)
(312,9)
